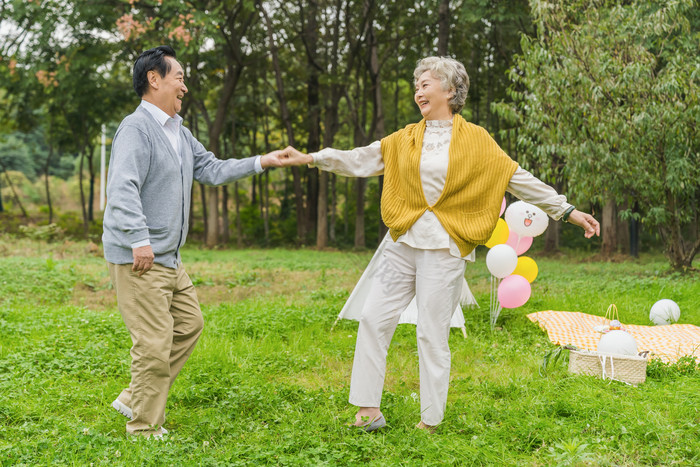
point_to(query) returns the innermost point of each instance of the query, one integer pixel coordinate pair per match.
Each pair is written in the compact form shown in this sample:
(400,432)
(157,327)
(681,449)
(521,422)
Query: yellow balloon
(499,235)
(527,268)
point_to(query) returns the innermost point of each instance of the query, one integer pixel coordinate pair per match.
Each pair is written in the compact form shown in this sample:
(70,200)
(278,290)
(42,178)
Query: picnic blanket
(667,343)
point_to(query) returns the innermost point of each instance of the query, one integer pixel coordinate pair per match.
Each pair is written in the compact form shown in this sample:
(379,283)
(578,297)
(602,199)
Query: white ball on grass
(664,311)
(617,342)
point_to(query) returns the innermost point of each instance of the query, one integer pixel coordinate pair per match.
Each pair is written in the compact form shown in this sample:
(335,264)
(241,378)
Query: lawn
(268,382)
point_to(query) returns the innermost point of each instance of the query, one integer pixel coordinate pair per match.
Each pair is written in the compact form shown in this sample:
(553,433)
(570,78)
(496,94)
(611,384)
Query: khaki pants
(161,312)
(435,278)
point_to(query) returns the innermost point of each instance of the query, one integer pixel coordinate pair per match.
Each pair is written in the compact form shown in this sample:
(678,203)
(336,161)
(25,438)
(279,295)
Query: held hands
(286,157)
(290,156)
(271,159)
(586,222)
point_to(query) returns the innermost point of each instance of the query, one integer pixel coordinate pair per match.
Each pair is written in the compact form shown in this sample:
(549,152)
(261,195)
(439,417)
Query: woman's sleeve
(531,189)
(366,161)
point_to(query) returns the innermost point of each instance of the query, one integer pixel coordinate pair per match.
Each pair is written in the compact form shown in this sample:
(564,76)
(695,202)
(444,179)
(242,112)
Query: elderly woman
(444,181)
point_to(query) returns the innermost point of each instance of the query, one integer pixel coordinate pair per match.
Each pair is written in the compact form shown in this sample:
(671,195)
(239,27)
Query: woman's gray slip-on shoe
(374,425)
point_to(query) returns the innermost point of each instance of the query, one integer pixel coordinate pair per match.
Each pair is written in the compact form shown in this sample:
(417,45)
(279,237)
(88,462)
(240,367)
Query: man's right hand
(290,156)
(143,259)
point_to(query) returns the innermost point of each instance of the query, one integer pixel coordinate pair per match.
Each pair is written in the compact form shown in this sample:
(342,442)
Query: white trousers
(435,278)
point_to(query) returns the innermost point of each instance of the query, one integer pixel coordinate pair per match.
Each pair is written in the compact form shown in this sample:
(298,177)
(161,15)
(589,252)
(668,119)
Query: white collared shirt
(171,125)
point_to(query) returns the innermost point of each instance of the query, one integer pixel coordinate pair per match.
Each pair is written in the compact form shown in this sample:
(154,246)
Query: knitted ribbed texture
(477,176)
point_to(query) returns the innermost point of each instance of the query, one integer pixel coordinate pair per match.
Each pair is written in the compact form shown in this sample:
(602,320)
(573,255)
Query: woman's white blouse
(427,233)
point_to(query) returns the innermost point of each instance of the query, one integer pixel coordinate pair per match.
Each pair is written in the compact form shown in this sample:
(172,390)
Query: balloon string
(494,305)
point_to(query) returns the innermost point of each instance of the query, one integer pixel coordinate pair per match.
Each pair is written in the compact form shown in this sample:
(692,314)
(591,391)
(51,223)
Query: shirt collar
(157,113)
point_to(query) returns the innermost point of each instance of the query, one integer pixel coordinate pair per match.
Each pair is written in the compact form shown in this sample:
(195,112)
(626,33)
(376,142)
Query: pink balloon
(503,206)
(518,243)
(514,291)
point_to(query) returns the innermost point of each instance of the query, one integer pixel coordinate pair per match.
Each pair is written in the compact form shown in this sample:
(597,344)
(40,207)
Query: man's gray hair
(451,74)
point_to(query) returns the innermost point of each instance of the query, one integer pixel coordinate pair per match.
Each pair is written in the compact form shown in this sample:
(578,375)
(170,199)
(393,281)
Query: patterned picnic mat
(668,343)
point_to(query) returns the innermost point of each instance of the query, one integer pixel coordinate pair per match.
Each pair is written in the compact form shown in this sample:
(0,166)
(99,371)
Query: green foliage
(14,155)
(606,95)
(49,232)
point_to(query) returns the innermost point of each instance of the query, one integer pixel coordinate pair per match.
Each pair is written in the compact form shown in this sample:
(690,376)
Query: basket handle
(612,313)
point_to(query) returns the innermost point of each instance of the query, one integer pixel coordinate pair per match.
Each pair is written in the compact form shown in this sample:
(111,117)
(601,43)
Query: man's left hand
(143,259)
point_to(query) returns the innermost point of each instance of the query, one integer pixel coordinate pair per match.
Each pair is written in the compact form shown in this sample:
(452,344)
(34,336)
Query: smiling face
(432,100)
(167,91)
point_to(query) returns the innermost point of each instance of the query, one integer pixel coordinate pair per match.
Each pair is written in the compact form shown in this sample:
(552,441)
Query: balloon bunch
(511,274)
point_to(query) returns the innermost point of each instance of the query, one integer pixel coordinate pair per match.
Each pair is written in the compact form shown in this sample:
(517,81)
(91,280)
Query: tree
(612,87)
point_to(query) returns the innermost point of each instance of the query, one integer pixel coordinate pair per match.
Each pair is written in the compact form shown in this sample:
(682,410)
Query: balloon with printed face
(526,219)
(499,235)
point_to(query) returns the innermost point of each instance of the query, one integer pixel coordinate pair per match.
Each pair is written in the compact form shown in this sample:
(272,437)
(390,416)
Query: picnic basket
(631,369)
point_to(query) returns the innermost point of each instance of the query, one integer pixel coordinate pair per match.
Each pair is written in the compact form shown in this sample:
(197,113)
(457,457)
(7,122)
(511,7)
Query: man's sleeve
(210,170)
(128,169)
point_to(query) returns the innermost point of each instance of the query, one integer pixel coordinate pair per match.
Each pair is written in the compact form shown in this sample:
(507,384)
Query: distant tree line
(598,98)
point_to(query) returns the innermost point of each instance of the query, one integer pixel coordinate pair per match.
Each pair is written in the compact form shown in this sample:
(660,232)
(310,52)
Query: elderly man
(153,162)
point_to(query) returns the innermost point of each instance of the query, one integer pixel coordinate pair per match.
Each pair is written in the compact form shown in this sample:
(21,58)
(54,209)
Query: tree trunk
(553,232)
(551,238)
(284,110)
(82,194)
(91,186)
(253,190)
(14,193)
(239,228)
(313,115)
(46,181)
(322,227)
(679,253)
(443,27)
(266,208)
(334,208)
(623,234)
(346,209)
(634,237)
(225,231)
(609,222)
(212,237)
(360,213)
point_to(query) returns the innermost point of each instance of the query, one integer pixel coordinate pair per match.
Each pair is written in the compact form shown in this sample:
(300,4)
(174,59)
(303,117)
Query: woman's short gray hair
(451,74)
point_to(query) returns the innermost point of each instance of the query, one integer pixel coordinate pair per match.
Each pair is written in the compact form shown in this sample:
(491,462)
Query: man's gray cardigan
(149,189)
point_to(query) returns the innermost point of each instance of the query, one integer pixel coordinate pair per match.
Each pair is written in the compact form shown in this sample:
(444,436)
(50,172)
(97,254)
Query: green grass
(268,382)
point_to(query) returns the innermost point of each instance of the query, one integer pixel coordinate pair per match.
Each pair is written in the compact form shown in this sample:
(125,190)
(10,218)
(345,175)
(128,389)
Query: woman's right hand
(290,156)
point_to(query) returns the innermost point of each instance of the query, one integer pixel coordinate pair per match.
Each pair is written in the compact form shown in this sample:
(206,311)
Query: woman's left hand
(586,222)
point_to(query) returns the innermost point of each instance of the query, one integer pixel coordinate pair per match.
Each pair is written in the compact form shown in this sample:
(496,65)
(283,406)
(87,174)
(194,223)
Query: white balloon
(617,342)
(501,260)
(664,311)
(525,219)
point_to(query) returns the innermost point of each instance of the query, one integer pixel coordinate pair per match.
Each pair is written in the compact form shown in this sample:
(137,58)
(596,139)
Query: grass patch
(268,382)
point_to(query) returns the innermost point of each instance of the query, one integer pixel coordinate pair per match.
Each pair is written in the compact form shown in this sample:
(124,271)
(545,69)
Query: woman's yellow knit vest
(477,176)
